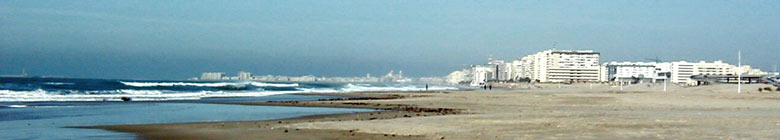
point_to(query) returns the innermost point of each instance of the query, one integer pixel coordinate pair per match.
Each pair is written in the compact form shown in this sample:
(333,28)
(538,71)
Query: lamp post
(739,71)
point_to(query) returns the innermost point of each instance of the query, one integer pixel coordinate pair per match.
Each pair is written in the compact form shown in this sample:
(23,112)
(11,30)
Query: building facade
(676,72)
(244,75)
(637,72)
(481,74)
(562,66)
(212,76)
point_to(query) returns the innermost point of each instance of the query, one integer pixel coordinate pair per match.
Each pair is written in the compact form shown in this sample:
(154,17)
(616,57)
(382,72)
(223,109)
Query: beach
(549,111)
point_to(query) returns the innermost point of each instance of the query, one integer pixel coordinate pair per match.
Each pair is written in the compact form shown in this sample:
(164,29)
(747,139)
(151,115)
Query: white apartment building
(503,71)
(641,72)
(603,74)
(563,66)
(516,70)
(481,74)
(212,76)
(244,75)
(526,67)
(682,72)
(583,65)
(714,68)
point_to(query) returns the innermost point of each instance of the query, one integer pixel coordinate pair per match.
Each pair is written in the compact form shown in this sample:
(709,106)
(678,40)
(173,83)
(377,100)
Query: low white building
(714,68)
(212,76)
(677,72)
(747,70)
(639,72)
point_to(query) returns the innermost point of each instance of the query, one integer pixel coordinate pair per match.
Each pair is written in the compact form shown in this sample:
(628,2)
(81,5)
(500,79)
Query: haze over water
(150,39)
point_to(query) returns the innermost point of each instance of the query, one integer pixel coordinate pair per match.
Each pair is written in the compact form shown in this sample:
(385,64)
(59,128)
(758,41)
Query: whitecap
(17,106)
(169,84)
(261,84)
(58,83)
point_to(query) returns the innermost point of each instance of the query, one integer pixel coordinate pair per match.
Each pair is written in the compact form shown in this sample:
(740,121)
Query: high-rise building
(482,74)
(502,71)
(516,70)
(244,75)
(562,66)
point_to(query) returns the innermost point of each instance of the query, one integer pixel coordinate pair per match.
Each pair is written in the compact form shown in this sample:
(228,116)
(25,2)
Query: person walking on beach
(426,87)
(484,87)
(490,87)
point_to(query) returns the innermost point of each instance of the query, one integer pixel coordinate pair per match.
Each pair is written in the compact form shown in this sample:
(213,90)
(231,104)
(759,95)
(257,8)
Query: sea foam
(117,95)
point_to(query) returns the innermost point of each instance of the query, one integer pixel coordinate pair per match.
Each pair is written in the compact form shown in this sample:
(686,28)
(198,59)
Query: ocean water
(49,120)
(43,108)
(52,89)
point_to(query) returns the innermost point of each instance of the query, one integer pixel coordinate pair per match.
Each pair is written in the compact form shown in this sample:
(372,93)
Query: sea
(46,108)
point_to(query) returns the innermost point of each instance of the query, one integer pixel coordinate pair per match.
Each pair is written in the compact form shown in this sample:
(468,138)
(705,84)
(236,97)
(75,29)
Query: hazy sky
(167,39)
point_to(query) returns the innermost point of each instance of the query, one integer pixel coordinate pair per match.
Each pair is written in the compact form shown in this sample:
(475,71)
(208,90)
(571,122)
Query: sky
(178,39)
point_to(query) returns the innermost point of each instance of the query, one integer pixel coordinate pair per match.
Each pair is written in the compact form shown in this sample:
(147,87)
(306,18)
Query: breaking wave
(44,90)
(170,84)
(58,83)
(16,106)
(261,84)
(117,95)
(163,95)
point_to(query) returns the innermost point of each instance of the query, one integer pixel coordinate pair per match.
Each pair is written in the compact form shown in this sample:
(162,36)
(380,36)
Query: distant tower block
(244,75)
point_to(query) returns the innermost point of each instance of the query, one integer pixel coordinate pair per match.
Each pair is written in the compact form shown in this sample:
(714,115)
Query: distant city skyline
(182,39)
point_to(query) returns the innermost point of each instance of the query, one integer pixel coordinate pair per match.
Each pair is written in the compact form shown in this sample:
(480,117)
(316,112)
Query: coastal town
(551,66)
(389,70)
(570,66)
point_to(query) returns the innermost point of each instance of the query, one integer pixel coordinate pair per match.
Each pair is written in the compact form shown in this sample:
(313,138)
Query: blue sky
(152,39)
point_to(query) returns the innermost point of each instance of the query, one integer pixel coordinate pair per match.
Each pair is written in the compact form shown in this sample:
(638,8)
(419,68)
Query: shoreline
(570,112)
(386,111)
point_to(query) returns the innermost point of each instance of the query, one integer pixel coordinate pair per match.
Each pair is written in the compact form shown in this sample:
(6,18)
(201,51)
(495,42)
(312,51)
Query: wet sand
(537,112)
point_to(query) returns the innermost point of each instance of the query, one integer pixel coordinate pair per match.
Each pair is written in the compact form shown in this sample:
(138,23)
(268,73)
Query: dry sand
(537,112)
